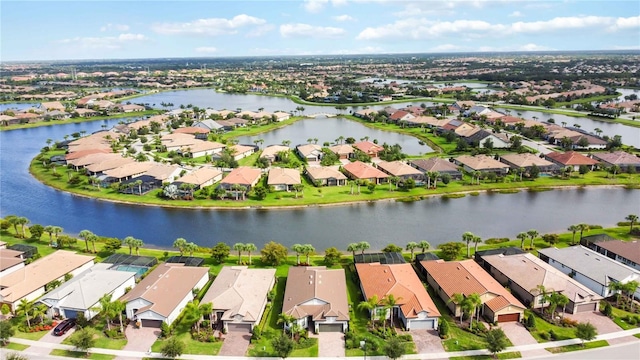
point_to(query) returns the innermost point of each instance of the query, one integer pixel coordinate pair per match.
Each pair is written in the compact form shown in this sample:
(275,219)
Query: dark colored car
(64,326)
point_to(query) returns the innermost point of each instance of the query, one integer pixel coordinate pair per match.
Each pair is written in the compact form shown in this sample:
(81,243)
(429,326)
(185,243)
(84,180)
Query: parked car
(64,326)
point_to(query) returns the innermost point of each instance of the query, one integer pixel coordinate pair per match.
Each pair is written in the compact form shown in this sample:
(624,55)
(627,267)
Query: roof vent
(385,270)
(389,280)
(310,282)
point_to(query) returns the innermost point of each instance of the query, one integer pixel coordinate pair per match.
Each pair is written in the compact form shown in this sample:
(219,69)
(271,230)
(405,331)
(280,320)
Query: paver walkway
(235,343)
(139,339)
(427,341)
(519,335)
(330,344)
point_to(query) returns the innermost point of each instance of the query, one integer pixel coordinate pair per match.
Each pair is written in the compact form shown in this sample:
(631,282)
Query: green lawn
(618,316)
(101,340)
(182,333)
(507,355)
(79,120)
(542,326)
(577,347)
(30,336)
(80,354)
(14,346)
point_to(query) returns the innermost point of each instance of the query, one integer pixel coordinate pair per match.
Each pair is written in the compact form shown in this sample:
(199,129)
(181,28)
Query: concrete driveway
(49,338)
(519,335)
(139,339)
(603,324)
(330,344)
(427,341)
(235,343)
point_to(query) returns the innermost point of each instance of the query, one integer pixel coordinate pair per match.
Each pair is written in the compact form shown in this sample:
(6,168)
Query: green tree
(443,329)
(128,241)
(180,244)
(353,247)
(239,247)
(394,348)
(189,247)
(449,251)
(273,253)
(220,252)
(282,345)
(25,308)
(476,240)
(6,331)
(532,235)
(86,235)
(249,248)
(332,256)
(556,300)
(632,219)
(307,250)
(392,248)
(474,302)
(363,245)
(106,309)
(583,228)
(496,341)
(573,229)
(36,231)
(82,340)
(370,305)
(172,348)
(389,302)
(468,237)
(522,237)
(586,332)
(298,249)
(411,246)
(424,246)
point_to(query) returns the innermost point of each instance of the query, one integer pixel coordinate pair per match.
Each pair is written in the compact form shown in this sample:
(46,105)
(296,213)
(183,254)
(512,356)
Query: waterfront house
(482,163)
(200,178)
(239,296)
(626,252)
(441,166)
(316,297)
(99,167)
(620,158)
(415,309)
(325,175)
(358,170)
(572,159)
(344,151)
(368,148)
(81,294)
(197,132)
(401,170)
(592,269)
(480,137)
(128,171)
(31,281)
(527,161)
(243,176)
(201,148)
(209,125)
(160,173)
(524,273)
(310,152)
(10,260)
(163,293)
(466,278)
(242,151)
(271,152)
(283,179)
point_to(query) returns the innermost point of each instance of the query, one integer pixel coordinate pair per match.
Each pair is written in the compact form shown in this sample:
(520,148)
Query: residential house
(102,166)
(6,120)
(365,113)
(51,106)
(524,273)
(243,176)
(178,141)
(242,151)
(482,163)
(239,296)
(282,116)
(310,152)
(271,152)
(324,175)
(401,170)
(572,159)
(620,158)
(368,148)
(201,177)
(283,179)
(466,278)
(344,151)
(31,281)
(127,108)
(527,161)
(128,171)
(316,297)
(10,261)
(480,137)
(592,269)
(197,132)
(208,125)
(626,252)
(358,170)
(202,148)
(401,116)
(441,166)
(81,294)
(160,173)
(163,293)
(414,308)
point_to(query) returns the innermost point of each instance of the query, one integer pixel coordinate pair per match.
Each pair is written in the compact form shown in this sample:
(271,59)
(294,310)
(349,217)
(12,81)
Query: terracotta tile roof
(360,170)
(82,153)
(283,176)
(327,286)
(201,145)
(571,158)
(166,286)
(243,175)
(368,147)
(191,130)
(93,158)
(399,280)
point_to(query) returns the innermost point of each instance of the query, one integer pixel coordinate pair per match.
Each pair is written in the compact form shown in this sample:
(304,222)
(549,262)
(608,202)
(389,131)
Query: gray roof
(85,290)
(591,264)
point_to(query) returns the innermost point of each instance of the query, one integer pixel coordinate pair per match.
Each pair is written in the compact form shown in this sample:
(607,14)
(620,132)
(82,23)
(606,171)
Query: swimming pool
(139,270)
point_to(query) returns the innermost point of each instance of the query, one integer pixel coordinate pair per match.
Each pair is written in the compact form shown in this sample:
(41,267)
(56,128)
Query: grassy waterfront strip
(79,120)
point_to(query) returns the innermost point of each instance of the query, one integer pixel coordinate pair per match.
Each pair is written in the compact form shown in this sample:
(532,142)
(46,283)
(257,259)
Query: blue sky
(56,30)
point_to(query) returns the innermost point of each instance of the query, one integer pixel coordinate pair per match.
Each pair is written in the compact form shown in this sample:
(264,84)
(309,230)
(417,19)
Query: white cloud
(105,42)
(315,6)
(260,30)
(344,17)
(206,49)
(534,47)
(306,30)
(625,23)
(210,26)
(516,14)
(117,27)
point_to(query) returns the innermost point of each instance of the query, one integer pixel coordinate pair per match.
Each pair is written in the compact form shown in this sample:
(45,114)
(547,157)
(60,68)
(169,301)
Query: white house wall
(14,268)
(138,303)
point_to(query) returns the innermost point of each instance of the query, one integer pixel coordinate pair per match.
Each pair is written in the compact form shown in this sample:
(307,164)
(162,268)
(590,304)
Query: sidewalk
(443,355)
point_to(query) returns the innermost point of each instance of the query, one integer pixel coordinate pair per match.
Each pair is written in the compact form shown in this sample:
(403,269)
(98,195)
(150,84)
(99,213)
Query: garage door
(508,317)
(151,323)
(239,327)
(422,324)
(70,314)
(330,327)
(585,307)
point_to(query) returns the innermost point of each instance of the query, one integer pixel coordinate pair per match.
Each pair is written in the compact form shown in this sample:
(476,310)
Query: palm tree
(299,249)
(630,288)
(573,229)
(137,244)
(118,307)
(93,238)
(25,308)
(476,240)
(23,221)
(632,220)
(250,247)
(370,305)
(190,247)
(363,245)
(207,308)
(308,249)
(239,247)
(39,311)
(543,292)
(390,302)
(457,298)
(106,308)
(424,245)
(353,247)
(86,235)
(583,227)
(57,230)
(286,319)
(557,299)
(474,302)
(192,314)
(128,241)
(179,244)
(598,131)
(411,246)
(522,236)
(468,237)
(532,234)
(616,287)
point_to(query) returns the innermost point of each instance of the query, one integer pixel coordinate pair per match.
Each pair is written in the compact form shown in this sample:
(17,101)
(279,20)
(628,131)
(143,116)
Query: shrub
(444,329)
(531,322)
(552,335)
(496,240)
(566,322)
(544,335)
(607,310)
